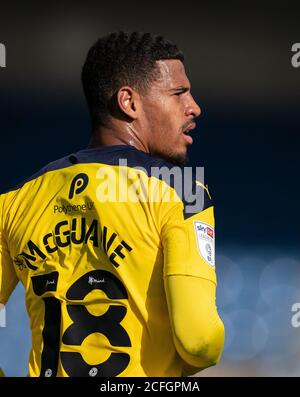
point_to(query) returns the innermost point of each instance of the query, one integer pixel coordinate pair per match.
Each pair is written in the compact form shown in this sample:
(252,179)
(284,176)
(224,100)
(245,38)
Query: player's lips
(186,135)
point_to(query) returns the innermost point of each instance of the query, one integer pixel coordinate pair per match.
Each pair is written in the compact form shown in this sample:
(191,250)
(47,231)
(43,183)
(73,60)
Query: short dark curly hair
(122,59)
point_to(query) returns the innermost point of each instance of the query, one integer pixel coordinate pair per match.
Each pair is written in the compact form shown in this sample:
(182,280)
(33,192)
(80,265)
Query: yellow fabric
(54,245)
(180,245)
(8,277)
(197,327)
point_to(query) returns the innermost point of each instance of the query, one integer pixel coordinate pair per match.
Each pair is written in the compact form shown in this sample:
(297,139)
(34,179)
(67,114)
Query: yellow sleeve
(190,284)
(189,245)
(8,277)
(198,331)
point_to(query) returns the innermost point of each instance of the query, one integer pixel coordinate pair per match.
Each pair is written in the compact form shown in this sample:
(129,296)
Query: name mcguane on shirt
(73,231)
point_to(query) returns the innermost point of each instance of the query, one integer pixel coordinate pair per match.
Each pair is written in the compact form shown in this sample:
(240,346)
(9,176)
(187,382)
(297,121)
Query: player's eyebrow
(180,89)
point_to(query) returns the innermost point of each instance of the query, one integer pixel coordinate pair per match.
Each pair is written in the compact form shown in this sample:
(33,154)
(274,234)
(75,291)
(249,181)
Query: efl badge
(205,236)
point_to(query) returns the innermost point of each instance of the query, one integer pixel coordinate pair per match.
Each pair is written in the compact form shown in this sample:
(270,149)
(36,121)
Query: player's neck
(105,136)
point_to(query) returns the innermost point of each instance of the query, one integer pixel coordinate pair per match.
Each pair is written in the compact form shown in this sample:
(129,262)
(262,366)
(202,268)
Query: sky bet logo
(296,57)
(2,56)
(78,185)
(206,230)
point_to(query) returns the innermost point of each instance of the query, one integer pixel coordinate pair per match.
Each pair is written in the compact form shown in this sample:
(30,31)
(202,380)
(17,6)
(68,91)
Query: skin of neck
(120,132)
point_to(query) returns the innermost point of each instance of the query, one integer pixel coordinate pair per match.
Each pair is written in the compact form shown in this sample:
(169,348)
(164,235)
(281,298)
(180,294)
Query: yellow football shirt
(91,237)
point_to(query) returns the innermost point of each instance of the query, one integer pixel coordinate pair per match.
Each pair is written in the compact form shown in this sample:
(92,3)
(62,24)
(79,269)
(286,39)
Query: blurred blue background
(247,138)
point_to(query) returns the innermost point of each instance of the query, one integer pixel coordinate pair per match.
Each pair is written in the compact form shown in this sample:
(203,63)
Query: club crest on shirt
(205,237)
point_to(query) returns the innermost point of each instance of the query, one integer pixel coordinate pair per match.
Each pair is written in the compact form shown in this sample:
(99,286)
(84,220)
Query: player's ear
(128,101)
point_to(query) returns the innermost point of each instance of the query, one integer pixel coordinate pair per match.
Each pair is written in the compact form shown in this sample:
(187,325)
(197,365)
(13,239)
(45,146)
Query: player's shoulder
(54,165)
(186,181)
(110,155)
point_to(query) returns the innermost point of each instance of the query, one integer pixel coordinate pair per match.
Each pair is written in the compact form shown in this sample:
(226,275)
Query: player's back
(84,236)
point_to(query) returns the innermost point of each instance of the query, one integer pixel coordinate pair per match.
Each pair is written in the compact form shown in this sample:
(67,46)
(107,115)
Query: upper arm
(190,284)
(189,245)
(8,277)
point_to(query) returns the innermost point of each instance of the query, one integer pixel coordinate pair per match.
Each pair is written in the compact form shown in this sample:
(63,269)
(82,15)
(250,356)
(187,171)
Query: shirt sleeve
(198,331)
(8,277)
(188,238)
(189,241)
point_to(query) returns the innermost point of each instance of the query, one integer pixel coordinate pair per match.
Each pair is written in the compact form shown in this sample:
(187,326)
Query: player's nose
(193,109)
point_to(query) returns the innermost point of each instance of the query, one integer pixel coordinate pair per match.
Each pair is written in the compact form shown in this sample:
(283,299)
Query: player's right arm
(8,277)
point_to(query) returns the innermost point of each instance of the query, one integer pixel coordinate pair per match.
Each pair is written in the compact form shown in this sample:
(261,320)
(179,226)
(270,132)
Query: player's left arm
(190,284)
(8,277)
(197,328)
